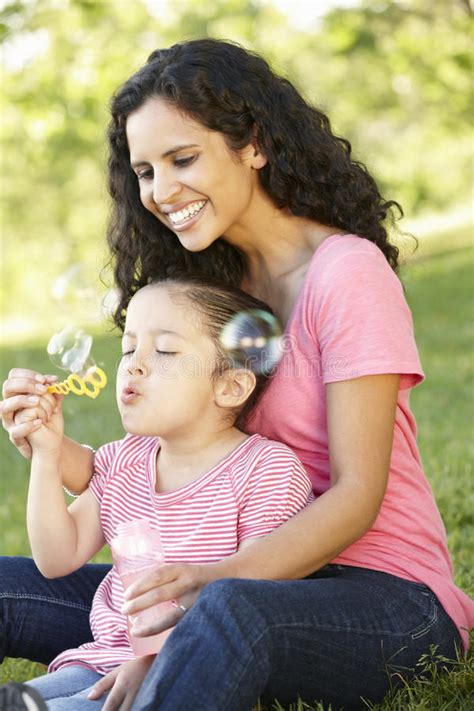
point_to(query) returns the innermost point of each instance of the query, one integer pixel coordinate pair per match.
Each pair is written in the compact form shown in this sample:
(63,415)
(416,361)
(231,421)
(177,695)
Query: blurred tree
(407,67)
(394,76)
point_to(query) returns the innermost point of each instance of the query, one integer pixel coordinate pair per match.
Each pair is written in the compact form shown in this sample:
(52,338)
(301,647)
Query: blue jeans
(40,618)
(68,688)
(342,635)
(338,636)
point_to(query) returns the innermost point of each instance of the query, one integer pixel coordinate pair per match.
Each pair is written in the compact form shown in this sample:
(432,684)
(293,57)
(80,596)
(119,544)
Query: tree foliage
(395,77)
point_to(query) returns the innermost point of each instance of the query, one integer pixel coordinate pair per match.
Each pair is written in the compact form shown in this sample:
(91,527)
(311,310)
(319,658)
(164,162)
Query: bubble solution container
(136,551)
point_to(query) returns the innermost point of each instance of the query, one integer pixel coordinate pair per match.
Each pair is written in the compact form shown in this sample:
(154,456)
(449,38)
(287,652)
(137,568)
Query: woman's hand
(20,386)
(124,682)
(182,582)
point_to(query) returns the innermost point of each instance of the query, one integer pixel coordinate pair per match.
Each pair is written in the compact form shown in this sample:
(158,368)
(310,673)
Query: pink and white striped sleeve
(103,460)
(276,489)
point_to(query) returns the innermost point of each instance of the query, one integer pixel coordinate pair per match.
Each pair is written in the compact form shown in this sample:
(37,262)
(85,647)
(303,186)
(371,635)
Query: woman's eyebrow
(176,149)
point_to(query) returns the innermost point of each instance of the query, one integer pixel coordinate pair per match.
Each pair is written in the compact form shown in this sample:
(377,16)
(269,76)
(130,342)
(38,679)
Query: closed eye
(181,162)
(145,174)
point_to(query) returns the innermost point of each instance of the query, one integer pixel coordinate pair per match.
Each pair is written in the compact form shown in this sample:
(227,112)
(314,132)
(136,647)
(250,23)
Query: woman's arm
(361,416)
(76,462)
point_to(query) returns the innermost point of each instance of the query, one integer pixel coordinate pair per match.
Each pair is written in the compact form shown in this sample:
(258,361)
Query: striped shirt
(253,490)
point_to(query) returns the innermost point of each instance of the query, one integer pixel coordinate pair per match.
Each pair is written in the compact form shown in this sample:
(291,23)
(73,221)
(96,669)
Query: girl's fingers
(28,415)
(25,449)
(18,435)
(48,405)
(103,685)
(115,699)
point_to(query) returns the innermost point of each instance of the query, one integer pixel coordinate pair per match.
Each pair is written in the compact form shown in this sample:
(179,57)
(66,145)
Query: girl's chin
(139,431)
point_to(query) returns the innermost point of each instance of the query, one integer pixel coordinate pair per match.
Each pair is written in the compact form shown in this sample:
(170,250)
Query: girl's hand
(182,582)
(125,682)
(47,436)
(20,385)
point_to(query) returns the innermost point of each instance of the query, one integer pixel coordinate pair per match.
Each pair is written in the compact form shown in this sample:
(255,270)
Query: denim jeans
(340,635)
(68,688)
(40,618)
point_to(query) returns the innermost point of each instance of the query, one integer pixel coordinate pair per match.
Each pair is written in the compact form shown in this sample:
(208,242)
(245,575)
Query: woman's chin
(194,243)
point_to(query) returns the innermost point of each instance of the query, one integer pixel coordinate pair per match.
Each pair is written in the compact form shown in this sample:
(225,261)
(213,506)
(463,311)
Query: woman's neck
(275,243)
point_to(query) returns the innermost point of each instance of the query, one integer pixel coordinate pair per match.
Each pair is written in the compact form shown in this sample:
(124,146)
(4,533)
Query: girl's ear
(234,387)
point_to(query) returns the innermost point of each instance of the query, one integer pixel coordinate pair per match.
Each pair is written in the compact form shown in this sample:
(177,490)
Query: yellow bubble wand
(70,350)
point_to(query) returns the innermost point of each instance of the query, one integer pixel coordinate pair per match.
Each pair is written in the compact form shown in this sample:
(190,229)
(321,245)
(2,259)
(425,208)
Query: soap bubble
(110,302)
(253,339)
(70,350)
(72,285)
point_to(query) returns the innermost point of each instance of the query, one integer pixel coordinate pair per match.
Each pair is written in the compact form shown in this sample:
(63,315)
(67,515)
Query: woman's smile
(187,216)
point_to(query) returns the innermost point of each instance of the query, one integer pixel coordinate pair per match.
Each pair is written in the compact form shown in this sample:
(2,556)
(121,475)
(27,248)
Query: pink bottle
(137,550)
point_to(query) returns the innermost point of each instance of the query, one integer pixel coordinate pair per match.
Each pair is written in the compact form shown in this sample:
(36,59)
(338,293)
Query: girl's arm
(361,417)
(62,539)
(76,463)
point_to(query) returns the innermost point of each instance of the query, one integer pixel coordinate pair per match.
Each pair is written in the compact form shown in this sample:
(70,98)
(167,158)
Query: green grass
(438,283)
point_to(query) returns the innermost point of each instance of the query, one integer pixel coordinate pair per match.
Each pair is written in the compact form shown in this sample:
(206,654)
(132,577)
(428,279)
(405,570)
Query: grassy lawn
(438,283)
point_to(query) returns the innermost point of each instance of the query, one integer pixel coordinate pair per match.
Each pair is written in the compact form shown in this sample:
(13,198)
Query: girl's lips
(189,223)
(128,396)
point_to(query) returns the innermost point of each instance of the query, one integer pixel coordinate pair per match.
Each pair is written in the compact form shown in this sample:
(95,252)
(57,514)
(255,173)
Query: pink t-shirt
(253,490)
(350,320)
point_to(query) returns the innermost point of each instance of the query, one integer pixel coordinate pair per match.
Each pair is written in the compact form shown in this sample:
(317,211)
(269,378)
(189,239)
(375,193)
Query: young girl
(203,483)
(220,166)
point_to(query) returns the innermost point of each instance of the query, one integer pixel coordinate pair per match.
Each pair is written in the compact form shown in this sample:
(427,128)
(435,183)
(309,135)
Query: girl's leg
(41,617)
(342,635)
(67,688)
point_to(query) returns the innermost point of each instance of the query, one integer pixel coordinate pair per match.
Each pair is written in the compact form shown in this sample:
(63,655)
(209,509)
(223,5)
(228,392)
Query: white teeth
(187,212)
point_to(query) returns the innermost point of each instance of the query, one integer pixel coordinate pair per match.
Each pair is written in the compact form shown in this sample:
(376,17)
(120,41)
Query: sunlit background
(395,78)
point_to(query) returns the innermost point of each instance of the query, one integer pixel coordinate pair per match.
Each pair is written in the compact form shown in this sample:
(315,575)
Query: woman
(220,167)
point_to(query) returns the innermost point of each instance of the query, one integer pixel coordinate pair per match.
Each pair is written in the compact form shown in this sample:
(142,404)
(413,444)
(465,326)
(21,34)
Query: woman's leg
(41,617)
(67,688)
(342,635)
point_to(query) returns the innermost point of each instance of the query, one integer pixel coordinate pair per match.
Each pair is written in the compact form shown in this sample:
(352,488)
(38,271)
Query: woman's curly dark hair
(226,88)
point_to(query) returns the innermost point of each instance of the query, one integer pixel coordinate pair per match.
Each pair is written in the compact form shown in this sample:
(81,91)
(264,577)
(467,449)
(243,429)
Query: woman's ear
(253,153)
(234,387)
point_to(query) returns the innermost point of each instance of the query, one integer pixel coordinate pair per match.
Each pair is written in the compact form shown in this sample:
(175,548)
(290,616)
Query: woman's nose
(165,190)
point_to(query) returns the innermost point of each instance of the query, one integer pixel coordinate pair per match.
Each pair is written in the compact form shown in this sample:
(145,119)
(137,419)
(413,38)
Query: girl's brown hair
(217,303)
